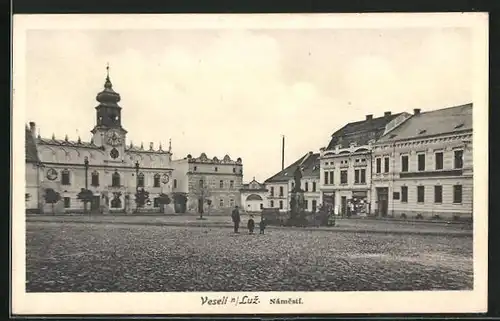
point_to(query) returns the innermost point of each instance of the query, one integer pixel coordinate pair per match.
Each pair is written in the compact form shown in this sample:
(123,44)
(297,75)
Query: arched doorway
(254,203)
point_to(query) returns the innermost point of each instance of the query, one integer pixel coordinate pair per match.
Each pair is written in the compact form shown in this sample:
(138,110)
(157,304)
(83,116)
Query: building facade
(424,167)
(105,165)
(253,196)
(346,166)
(32,171)
(211,184)
(281,184)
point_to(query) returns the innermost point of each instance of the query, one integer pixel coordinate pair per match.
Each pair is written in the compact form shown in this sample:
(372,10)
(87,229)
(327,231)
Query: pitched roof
(360,132)
(254,185)
(31,152)
(435,122)
(310,168)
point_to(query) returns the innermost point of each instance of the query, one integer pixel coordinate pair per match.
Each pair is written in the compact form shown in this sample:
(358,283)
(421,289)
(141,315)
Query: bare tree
(202,192)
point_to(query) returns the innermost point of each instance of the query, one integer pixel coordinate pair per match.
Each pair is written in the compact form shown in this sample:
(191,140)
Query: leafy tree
(85,196)
(51,197)
(163,199)
(202,193)
(141,197)
(180,201)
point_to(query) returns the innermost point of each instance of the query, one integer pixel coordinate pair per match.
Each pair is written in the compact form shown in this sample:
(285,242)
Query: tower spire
(107,70)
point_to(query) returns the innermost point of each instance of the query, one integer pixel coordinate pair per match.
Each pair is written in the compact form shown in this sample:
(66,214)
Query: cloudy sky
(223,91)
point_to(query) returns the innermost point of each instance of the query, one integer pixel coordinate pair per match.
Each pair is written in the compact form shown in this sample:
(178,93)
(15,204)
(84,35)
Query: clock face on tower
(114,138)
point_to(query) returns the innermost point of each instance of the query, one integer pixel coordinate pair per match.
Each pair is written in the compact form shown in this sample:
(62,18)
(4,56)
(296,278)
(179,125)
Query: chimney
(33,128)
(283,153)
(416,111)
(369,117)
(387,114)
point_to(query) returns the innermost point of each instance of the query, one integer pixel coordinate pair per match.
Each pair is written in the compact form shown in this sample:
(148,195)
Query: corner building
(424,167)
(346,163)
(114,170)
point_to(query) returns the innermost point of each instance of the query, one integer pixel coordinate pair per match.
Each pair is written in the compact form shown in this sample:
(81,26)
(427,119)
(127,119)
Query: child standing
(251,225)
(262,226)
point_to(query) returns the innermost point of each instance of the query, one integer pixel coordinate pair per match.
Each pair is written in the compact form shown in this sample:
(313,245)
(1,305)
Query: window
(420,194)
(343,177)
(67,202)
(314,205)
(386,164)
(221,184)
(221,203)
(281,190)
(314,187)
(272,191)
(175,183)
(404,194)
(395,195)
(216,169)
(438,159)
(331,177)
(306,204)
(65,177)
(155,202)
(140,180)
(404,163)
(378,165)
(261,206)
(195,168)
(356,176)
(271,204)
(438,194)
(421,162)
(306,186)
(115,180)
(326,178)
(231,184)
(362,175)
(231,202)
(458,159)
(234,170)
(95,179)
(200,183)
(457,194)
(281,205)
(156,180)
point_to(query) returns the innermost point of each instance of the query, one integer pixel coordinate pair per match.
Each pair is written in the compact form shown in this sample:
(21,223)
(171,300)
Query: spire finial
(53,136)
(170,145)
(107,84)
(160,148)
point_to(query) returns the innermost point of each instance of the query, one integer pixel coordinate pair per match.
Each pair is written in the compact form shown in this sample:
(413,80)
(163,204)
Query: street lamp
(137,175)
(86,163)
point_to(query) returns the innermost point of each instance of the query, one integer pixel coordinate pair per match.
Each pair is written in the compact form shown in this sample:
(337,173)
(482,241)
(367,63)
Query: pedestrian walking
(236,219)
(250,225)
(262,226)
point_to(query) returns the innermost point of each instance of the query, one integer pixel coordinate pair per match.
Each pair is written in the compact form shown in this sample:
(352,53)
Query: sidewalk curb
(225,225)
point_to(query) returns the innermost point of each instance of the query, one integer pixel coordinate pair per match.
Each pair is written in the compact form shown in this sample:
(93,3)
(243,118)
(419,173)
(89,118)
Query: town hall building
(112,170)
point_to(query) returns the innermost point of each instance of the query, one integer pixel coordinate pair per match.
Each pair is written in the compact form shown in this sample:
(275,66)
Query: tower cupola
(108,97)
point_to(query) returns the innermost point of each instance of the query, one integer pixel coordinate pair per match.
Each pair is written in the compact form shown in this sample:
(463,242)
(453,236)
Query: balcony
(360,164)
(344,165)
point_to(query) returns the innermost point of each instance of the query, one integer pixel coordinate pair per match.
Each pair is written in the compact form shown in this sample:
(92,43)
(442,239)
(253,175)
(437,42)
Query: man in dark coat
(236,219)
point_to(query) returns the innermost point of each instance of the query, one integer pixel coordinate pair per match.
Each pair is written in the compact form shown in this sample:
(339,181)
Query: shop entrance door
(382,200)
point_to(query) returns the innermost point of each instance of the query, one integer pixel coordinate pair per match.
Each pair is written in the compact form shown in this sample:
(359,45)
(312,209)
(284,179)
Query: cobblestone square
(81,257)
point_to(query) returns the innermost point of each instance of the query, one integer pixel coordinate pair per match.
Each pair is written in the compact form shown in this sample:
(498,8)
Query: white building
(280,185)
(424,166)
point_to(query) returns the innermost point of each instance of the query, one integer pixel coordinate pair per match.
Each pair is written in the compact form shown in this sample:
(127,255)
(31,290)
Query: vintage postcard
(288,163)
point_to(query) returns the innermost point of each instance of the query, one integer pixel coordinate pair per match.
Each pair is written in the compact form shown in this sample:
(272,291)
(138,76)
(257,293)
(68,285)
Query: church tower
(108,131)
